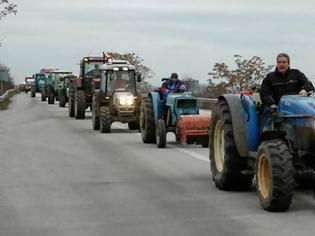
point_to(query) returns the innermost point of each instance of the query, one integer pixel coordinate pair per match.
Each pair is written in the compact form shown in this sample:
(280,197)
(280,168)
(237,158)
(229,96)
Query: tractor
(28,84)
(276,146)
(116,97)
(53,84)
(80,89)
(177,113)
(38,83)
(63,82)
(44,82)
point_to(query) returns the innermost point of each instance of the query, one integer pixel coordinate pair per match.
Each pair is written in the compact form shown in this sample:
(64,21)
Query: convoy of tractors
(242,147)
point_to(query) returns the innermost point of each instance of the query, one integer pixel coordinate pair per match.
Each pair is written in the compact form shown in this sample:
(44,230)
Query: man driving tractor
(172,85)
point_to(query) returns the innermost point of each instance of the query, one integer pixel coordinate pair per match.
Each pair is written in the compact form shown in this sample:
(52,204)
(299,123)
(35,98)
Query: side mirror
(138,76)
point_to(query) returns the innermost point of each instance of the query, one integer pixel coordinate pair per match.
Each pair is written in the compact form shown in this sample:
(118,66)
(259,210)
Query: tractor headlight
(126,100)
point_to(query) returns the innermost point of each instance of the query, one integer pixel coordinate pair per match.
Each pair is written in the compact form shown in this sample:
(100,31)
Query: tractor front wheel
(33,92)
(95,115)
(274,175)
(51,98)
(62,101)
(71,103)
(43,95)
(79,105)
(226,164)
(160,134)
(105,120)
(147,123)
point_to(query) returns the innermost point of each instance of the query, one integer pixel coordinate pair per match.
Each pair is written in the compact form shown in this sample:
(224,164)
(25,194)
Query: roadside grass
(6,102)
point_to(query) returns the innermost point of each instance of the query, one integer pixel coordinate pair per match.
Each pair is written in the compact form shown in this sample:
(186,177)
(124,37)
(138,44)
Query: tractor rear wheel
(95,115)
(147,123)
(105,119)
(133,125)
(71,103)
(226,163)
(160,133)
(274,175)
(79,108)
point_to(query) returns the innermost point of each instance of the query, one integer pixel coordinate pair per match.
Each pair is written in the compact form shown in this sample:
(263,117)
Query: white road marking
(193,154)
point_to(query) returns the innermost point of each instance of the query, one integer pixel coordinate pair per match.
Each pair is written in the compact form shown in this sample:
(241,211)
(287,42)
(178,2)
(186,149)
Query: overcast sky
(183,36)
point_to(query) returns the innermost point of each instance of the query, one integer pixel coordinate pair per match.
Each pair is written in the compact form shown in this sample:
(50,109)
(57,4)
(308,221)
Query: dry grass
(6,102)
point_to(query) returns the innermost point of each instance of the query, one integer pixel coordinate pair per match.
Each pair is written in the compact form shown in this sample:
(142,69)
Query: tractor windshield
(113,81)
(92,69)
(40,79)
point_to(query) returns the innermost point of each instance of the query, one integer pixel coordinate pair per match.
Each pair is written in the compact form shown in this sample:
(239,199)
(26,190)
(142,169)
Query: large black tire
(79,104)
(43,95)
(147,122)
(57,95)
(274,175)
(105,120)
(62,101)
(33,92)
(51,98)
(226,164)
(133,125)
(95,115)
(160,134)
(71,103)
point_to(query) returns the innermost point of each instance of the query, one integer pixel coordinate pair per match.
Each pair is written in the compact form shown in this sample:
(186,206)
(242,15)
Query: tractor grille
(126,109)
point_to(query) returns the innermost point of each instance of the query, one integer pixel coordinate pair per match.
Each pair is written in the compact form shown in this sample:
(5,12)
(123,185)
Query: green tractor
(63,83)
(116,99)
(45,77)
(53,84)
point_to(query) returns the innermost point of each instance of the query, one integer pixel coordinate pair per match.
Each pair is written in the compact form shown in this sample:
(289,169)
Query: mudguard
(244,121)
(157,104)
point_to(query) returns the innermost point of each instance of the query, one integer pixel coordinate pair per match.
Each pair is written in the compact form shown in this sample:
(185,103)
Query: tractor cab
(90,72)
(118,76)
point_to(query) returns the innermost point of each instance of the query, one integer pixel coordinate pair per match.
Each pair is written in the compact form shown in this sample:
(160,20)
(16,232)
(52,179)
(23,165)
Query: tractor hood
(173,97)
(297,105)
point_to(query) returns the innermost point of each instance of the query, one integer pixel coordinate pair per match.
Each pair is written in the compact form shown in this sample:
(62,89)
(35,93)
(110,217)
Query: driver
(119,83)
(172,85)
(283,81)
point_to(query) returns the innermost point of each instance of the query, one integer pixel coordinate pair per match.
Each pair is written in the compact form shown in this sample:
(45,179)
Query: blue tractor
(277,147)
(177,113)
(38,83)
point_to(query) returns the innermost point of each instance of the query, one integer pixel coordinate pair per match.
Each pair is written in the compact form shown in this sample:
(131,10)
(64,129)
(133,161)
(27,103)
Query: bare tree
(135,60)
(6,8)
(247,72)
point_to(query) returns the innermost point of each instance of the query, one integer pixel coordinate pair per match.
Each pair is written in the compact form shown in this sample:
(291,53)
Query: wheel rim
(264,176)
(219,146)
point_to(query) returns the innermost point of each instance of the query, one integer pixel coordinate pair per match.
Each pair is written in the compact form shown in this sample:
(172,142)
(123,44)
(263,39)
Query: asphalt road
(59,177)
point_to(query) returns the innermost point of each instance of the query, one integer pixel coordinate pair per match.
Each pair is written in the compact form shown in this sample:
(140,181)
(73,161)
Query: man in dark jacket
(283,81)
(173,85)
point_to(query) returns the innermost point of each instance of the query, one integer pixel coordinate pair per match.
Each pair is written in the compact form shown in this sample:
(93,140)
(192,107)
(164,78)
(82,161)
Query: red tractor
(80,89)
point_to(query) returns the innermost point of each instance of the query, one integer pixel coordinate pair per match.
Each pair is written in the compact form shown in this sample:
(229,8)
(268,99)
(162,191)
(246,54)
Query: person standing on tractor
(173,85)
(283,81)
